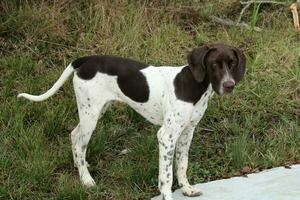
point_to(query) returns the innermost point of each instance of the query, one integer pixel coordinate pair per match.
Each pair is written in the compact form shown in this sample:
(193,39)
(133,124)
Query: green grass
(254,16)
(257,127)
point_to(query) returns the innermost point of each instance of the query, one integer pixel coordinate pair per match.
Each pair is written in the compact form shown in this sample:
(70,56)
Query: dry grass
(257,127)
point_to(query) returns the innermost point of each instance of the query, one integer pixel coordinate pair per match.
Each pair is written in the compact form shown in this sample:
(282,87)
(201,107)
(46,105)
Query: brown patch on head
(239,69)
(217,63)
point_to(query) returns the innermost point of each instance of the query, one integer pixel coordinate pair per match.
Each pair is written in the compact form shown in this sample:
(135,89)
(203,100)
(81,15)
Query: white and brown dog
(173,97)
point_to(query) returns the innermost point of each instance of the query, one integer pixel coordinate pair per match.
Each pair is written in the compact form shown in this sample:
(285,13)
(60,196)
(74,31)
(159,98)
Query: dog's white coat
(226,77)
(176,118)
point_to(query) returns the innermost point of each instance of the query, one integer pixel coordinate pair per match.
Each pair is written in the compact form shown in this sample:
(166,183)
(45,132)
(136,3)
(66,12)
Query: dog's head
(222,65)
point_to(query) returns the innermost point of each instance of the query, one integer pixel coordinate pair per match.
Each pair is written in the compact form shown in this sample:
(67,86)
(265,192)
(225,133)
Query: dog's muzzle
(228,86)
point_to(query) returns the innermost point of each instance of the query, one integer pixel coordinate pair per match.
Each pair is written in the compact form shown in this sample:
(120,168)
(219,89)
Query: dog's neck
(187,88)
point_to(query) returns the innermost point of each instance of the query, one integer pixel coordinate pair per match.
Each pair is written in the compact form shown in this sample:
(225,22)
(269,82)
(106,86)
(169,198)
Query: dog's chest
(201,106)
(152,111)
(161,96)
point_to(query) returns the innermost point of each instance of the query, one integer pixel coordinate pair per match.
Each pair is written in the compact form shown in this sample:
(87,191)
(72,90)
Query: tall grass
(257,127)
(254,16)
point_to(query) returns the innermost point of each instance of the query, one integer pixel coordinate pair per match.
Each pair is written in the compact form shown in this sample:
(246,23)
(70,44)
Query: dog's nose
(228,86)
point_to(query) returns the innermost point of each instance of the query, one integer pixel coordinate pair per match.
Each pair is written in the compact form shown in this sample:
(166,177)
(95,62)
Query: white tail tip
(20,95)
(24,95)
(32,97)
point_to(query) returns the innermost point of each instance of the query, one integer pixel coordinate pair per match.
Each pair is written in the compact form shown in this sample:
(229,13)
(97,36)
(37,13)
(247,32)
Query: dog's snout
(228,85)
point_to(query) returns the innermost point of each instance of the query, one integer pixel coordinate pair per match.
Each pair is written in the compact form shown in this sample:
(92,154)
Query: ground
(258,126)
(262,185)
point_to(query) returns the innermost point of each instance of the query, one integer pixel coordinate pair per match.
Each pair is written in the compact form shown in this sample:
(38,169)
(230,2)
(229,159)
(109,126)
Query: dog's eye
(231,65)
(215,65)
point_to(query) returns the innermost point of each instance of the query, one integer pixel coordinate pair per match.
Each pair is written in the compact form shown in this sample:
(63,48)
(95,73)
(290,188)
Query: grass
(254,16)
(257,127)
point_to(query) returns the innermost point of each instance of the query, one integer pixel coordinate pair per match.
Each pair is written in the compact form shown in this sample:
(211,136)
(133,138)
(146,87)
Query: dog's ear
(239,70)
(196,60)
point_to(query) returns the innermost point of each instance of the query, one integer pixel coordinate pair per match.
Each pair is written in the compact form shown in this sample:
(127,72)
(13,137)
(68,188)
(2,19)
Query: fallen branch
(238,22)
(229,22)
(273,2)
(248,4)
(242,12)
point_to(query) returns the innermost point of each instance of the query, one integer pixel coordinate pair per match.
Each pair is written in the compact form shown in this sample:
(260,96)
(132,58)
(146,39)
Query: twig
(273,2)
(229,22)
(238,22)
(207,130)
(242,12)
(248,4)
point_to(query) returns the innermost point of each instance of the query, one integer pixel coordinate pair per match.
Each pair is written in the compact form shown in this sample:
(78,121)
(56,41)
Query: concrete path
(274,184)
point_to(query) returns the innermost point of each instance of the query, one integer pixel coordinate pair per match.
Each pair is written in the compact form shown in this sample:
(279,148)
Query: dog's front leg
(182,150)
(167,138)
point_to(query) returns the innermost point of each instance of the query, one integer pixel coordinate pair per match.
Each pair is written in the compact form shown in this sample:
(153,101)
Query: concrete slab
(273,184)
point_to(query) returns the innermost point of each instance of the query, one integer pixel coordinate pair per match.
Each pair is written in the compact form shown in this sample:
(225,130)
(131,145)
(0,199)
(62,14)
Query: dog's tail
(62,79)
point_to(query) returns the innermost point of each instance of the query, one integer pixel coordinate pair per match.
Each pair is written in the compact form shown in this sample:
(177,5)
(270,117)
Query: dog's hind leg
(75,132)
(88,114)
(74,135)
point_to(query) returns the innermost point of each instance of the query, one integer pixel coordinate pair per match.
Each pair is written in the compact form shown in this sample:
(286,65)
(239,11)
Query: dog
(174,98)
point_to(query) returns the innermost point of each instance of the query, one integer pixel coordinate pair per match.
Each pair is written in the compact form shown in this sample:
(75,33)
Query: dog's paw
(190,191)
(88,181)
(166,197)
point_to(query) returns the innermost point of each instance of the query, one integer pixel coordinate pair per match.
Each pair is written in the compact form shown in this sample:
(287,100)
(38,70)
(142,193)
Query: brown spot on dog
(130,80)
(208,64)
